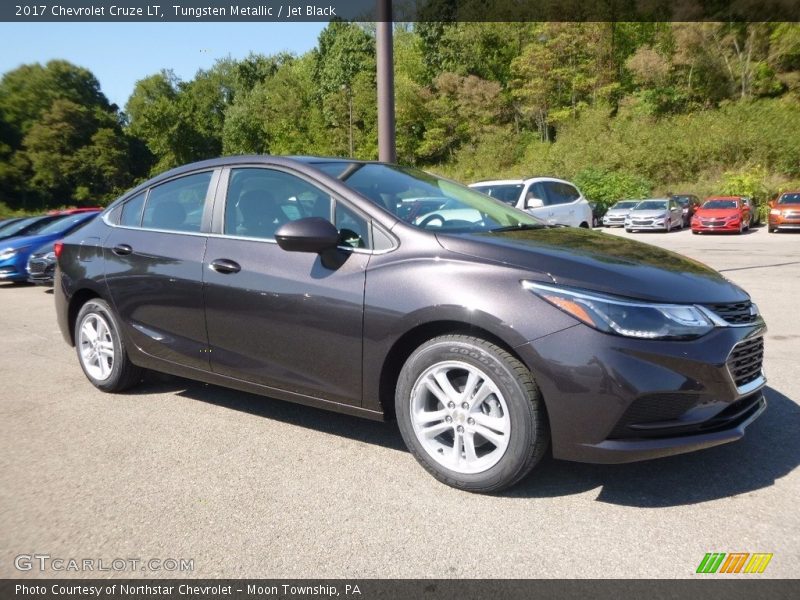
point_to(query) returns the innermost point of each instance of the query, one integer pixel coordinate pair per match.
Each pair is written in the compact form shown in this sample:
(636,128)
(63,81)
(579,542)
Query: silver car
(615,216)
(662,214)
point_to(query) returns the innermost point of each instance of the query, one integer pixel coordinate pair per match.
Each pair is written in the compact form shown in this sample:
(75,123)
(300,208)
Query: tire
(105,363)
(772,229)
(510,413)
(628,230)
(695,232)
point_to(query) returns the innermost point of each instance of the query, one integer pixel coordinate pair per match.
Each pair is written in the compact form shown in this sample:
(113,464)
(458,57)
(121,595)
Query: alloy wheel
(460,417)
(96,346)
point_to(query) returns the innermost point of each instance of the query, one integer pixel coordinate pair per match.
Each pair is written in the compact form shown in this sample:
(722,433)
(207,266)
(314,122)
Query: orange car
(722,213)
(784,213)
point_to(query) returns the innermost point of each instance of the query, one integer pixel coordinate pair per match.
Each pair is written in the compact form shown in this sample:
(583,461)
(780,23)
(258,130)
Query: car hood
(618,211)
(646,214)
(717,212)
(601,262)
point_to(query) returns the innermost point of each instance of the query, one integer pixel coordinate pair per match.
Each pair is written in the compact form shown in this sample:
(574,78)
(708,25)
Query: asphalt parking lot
(252,487)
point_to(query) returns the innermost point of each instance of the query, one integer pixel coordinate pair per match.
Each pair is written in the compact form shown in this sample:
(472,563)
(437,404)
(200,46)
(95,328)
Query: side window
(570,193)
(132,211)
(353,229)
(552,193)
(537,190)
(260,200)
(178,204)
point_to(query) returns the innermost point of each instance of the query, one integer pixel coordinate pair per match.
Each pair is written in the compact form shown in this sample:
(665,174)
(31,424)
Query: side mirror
(771,203)
(533,202)
(312,234)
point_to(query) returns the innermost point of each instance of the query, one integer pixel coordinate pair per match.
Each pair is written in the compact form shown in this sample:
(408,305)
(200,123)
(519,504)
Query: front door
(287,320)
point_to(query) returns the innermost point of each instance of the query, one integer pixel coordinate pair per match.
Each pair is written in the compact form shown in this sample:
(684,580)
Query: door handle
(122,249)
(225,266)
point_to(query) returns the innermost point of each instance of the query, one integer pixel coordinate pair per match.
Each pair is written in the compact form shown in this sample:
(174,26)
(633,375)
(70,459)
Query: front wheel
(101,350)
(471,414)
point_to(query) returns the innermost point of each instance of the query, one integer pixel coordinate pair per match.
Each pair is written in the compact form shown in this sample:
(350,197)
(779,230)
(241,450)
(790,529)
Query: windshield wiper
(517,227)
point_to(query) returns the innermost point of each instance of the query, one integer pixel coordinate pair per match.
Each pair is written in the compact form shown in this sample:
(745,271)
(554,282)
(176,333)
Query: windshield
(460,209)
(625,204)
(720,204)
(62,225)
(505,192)
(20,225)
(651,205)
(793,198)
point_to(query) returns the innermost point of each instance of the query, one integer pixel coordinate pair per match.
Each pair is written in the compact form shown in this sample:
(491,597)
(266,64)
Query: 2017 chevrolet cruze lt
(488,334)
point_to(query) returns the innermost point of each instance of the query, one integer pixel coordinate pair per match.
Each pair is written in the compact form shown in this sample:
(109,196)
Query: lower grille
(746,360)
(36,267)
(654,408)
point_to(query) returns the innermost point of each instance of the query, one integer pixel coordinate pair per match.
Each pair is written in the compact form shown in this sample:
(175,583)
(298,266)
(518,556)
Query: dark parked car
(15,252)
(487,337)
(689,203)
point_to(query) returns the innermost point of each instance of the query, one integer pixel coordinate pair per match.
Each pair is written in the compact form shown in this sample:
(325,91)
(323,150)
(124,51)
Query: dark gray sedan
(488,336)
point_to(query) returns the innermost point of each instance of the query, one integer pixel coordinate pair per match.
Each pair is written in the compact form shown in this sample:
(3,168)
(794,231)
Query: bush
(607,187)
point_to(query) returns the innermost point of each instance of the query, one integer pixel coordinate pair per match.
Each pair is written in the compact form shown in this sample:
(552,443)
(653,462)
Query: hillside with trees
(624,109)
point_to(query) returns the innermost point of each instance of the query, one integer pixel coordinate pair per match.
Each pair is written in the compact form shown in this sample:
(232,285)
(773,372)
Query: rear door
(154,268)
(286,320)
(562,198)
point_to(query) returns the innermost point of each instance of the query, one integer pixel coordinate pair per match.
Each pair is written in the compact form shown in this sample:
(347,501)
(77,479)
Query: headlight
(775,211)
(8,253)
(50,256)
(624,317)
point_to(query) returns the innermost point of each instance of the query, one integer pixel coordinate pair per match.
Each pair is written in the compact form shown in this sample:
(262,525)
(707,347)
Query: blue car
(14,252)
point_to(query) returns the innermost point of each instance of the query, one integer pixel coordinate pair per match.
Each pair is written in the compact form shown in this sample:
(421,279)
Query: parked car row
(26,244)
(735,214)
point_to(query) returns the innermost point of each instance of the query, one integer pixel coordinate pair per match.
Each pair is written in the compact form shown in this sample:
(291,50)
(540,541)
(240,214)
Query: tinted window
(178,204)
(63,225)
(507,192)
(132,211)
(261,200)
(388,186)
(560,193)
(353,229)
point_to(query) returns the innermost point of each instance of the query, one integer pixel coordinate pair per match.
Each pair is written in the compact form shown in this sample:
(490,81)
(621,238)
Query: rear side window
(132,211)
(561,193)
(178,204)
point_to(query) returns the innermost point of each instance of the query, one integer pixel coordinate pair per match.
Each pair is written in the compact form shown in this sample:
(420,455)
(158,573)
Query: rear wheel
(471,414)
(101,350)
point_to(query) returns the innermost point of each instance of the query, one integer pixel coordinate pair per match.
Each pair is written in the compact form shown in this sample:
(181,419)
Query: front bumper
(613,400)
(12,271)
(41,271)
(713,225)
(613,221)
(791,221)
(641,224)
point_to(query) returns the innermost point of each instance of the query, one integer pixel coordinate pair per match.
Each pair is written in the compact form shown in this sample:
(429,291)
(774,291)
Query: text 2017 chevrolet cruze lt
(488,334)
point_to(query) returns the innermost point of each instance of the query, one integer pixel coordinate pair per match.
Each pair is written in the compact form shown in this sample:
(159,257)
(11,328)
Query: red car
(74,211)
(722,213)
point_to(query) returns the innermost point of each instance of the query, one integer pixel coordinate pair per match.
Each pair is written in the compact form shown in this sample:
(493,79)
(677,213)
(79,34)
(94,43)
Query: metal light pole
(387,152)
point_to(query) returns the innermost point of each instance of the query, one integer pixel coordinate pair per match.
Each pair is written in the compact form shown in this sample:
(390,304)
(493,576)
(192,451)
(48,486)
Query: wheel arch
(76,301)
(412,339)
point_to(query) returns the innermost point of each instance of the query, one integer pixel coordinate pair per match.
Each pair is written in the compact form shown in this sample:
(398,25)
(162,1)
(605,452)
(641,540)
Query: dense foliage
(624,109)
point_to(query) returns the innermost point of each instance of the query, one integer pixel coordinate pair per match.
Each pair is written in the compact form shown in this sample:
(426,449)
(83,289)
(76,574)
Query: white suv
(555,201)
